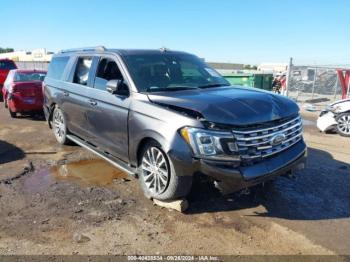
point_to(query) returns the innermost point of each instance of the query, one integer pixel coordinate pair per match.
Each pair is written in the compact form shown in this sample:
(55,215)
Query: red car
(22,91)
(5,66)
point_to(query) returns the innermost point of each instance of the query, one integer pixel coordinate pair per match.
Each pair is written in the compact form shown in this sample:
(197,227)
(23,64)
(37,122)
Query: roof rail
(97,48)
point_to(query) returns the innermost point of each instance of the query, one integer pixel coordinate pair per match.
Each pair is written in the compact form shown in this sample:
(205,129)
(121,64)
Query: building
(36,55)
(273,67)
(224,68)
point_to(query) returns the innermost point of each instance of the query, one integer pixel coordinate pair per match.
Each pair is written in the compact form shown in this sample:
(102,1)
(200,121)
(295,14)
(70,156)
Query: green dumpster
(262,81)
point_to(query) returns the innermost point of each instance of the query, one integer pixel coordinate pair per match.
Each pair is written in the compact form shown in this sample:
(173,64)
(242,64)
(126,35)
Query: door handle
(65,93)
(92,102)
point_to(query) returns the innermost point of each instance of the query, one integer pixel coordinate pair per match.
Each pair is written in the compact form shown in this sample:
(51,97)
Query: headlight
(211,144)
(333,109)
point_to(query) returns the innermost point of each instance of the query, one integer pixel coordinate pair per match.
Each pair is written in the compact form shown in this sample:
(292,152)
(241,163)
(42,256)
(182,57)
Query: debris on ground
(179,205)
(80,238)
(27,169)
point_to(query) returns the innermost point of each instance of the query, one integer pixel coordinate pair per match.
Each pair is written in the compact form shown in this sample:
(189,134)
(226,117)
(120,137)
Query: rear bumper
(18,104)
(292,159)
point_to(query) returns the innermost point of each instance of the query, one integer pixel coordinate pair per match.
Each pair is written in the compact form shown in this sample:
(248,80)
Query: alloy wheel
(344,124)
(59,125)
(155,170)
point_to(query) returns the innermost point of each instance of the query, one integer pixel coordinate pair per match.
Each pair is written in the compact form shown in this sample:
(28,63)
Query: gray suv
(164,116)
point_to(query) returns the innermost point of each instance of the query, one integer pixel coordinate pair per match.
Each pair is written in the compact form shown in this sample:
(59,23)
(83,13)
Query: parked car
(5,66)
(164,116)
(22,91)
(336,117)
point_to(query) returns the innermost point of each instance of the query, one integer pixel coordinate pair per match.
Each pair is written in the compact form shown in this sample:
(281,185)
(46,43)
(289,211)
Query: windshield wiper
(213,85)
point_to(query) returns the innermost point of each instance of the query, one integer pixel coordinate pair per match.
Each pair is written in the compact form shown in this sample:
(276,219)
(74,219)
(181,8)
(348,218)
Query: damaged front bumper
(326,121)
(238,177)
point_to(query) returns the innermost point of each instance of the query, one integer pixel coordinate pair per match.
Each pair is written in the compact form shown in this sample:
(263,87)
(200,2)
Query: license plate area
(29,100)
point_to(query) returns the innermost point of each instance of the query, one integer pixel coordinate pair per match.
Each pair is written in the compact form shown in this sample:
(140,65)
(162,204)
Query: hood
(230,105)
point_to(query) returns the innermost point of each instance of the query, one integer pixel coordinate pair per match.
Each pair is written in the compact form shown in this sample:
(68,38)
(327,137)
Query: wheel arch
(151,136)
(51,109)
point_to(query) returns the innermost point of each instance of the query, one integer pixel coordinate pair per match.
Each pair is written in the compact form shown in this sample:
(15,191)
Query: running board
(110,159)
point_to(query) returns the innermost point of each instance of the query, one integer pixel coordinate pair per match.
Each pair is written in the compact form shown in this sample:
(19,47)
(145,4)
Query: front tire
(157,175)
(59,126)
(343,126)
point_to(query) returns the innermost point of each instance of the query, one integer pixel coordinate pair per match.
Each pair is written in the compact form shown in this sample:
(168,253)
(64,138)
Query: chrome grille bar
(267,141)
(258,143)
(297,119)
(275,152)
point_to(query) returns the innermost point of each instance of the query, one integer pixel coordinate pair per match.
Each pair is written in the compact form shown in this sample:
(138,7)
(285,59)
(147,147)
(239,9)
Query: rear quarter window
(57,66)
(7,65)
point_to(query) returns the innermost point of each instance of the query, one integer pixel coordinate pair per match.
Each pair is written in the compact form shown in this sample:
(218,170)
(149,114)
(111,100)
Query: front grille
(255,144)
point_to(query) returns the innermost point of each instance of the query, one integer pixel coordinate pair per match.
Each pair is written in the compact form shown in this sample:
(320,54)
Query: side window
(81,74)
(107,69)
(57,66)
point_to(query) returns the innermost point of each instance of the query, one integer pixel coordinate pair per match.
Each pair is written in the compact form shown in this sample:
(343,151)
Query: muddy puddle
(95,172)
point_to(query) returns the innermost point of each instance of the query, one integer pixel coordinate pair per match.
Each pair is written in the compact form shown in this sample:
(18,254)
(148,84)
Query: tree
(6,50)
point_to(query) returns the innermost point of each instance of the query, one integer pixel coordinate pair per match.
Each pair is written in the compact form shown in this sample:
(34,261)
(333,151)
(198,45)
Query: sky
(237,31)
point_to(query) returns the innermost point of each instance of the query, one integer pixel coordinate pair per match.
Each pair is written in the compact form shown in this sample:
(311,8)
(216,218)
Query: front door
(108,113)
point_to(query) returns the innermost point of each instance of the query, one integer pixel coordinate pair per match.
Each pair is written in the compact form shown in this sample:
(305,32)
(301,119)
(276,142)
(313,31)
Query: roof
(144,51)
(101,49)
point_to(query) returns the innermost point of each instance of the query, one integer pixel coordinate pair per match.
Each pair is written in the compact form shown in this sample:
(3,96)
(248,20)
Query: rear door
(108,113)
(75,97)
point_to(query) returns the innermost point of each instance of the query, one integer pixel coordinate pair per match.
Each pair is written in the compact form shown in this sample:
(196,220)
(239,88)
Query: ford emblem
(277,139)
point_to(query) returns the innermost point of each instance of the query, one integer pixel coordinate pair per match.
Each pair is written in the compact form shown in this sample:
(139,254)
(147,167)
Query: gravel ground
(63,200)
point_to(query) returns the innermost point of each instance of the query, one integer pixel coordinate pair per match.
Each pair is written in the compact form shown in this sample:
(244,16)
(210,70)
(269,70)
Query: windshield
(170,72)
(29,76)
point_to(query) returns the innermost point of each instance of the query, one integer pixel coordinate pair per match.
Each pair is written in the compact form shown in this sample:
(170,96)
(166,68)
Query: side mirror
(117,87)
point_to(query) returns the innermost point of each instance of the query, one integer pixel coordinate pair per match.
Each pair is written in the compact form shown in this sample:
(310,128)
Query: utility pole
(289,72)
(314,83)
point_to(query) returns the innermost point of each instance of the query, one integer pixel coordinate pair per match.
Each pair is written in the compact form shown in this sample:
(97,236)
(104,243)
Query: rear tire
(157,175)
(12,114)
(343,126)
(59,126)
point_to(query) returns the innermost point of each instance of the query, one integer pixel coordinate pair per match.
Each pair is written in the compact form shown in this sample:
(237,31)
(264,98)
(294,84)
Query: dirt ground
(63,200)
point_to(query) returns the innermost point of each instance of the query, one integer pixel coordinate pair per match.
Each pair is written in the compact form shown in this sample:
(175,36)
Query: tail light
(13,88)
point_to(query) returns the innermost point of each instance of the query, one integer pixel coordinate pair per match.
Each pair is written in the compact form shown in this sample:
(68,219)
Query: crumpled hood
(230,105)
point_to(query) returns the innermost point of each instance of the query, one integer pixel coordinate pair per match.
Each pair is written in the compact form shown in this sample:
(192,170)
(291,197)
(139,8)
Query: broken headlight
(211,144)
(334,108)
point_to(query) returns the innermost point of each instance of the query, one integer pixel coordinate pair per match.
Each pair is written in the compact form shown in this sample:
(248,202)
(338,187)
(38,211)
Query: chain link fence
(38,65)
(310,84)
